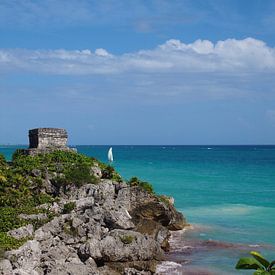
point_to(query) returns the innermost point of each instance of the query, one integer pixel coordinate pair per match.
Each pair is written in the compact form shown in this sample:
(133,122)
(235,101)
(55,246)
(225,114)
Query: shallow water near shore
(227,194)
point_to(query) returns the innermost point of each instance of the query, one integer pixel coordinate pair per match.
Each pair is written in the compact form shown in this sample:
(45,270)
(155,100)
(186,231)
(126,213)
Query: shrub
(145,185)
(127,239)
(7,242)
(79,175)
(108,172)
(9,219)
(68,207)
(258,263)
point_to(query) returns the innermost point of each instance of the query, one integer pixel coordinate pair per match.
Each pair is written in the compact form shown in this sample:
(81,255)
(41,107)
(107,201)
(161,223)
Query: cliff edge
(65,213)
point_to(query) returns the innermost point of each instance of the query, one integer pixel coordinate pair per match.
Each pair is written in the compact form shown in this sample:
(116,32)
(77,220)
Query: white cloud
(102,52)
(228,56)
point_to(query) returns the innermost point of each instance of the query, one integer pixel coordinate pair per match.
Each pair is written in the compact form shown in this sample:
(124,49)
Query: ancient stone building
(47,137)
(45,140)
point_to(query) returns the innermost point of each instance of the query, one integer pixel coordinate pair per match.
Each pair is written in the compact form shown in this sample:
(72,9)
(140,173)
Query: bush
(7,242)
(68,207)
(2,160)
(79,175)
(143,184)
(108,172)
(9,219)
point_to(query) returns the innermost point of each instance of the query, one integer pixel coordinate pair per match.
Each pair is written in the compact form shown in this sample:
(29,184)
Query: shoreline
(182,256)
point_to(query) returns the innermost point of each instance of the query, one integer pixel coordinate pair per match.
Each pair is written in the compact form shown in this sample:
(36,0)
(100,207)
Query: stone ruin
(46,140)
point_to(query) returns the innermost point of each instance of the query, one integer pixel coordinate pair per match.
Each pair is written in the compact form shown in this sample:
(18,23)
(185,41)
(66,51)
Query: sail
(110,155)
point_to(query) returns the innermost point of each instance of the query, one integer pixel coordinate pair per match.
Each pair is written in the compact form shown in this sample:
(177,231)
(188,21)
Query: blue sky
(139,72)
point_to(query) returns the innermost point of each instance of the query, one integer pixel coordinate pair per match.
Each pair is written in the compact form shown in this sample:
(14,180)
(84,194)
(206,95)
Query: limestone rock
(90,249)
(125,245)
(84,203)
(96,171)
(27,257)
(113,229)
(41,216)
(5,267)
(118,218)
(22,232)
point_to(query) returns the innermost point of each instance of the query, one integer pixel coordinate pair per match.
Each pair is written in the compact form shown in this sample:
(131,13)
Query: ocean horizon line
(197,145)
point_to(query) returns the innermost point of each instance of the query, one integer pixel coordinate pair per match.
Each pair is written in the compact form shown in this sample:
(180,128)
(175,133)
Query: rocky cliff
(104,226)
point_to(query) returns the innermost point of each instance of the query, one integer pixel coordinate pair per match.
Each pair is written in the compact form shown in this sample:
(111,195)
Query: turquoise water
(226,192)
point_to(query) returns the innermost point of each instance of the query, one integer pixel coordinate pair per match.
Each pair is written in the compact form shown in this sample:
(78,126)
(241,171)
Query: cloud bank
(228,56)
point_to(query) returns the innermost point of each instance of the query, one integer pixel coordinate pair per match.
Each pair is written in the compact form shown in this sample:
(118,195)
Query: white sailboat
(110,155)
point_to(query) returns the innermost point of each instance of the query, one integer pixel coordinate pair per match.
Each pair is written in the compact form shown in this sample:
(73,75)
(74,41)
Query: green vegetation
(22,187)
(7,242)
(108,172)
(127,239)
(145,185)
(258,263)
(68,207)
(2,160)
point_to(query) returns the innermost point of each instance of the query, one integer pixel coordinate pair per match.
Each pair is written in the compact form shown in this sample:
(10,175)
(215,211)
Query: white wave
(168,267)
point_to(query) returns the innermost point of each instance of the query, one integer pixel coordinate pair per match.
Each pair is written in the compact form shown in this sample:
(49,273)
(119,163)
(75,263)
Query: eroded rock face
(113,229)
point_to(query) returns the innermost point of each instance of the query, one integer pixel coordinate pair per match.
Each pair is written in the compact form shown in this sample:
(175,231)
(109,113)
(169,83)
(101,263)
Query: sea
(226,193)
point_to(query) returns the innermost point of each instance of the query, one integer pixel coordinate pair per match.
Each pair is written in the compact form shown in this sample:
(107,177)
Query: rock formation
(113,229)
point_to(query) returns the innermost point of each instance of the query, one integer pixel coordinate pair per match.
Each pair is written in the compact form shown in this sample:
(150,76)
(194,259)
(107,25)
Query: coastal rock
(133,271)
(147,206)
(90,249)
(22,232)
(113,229)
(41,216)
(5,267)
(96,171)
(84,203)
(26,258)
(119,219)
(125,245)
(134,267)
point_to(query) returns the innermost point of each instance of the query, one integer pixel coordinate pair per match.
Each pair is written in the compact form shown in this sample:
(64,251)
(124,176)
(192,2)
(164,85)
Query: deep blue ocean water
(226,192)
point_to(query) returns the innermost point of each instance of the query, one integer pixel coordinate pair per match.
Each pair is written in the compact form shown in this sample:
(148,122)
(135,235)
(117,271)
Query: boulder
(90,249)
(143,205)
(41,216)
(26,258)
(125,245)
(5,267)
(84,203)
(96,171)
(118,218)
(22,232)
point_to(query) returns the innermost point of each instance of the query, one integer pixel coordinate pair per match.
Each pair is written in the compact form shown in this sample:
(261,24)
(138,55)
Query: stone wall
(43,138)
(46,140)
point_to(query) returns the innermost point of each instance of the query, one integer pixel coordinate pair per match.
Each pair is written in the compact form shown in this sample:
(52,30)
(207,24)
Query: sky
(139,71)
